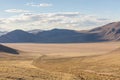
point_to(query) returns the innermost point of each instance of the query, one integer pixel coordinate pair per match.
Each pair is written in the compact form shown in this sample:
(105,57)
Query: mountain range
(108,32)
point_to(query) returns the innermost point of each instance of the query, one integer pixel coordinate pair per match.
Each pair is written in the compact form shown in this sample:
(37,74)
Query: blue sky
(49,14)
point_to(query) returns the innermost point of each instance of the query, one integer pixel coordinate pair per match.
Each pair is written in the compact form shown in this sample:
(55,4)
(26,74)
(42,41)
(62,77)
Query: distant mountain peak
(18,30)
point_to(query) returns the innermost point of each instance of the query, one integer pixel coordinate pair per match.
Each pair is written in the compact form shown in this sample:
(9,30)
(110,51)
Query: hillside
(109,32)
(6,49)
(8,52)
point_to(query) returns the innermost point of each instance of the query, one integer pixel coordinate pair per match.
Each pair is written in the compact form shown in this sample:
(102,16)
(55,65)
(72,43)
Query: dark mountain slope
(17,36)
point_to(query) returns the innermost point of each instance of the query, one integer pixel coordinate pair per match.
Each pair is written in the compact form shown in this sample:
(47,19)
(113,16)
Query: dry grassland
(84,61)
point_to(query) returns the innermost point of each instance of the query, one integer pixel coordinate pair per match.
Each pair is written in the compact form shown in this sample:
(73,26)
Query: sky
(63,14)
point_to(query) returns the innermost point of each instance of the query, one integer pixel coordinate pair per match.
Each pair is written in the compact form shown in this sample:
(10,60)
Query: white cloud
(17,11)
(39,5)
(68,20)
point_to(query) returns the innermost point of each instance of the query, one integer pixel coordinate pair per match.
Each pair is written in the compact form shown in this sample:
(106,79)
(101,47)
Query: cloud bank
(65,20)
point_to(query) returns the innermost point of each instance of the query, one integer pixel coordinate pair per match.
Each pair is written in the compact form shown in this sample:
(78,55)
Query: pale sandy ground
(78,49)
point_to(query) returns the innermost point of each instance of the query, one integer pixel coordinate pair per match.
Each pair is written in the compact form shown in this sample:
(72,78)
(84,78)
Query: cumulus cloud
(68,20)
(39,5)
(16,11)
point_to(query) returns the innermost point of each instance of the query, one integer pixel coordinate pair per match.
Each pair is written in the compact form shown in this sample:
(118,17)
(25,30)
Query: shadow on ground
(8,50)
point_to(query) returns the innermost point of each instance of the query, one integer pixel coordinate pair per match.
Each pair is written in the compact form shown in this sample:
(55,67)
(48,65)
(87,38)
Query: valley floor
(61,62)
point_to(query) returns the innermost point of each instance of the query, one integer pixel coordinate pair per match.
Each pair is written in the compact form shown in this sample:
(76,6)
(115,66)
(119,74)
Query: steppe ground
(28,66)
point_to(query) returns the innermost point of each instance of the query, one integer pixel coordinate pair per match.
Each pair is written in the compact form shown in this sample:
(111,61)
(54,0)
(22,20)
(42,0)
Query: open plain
(82,61)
